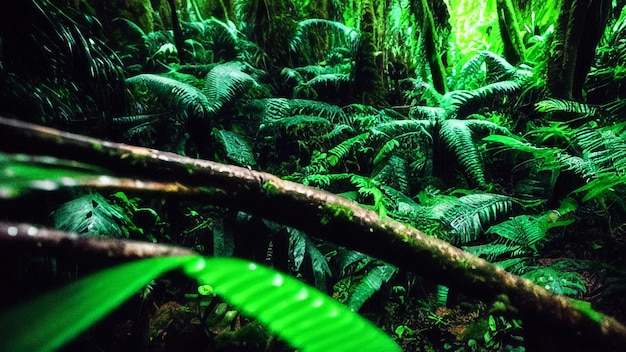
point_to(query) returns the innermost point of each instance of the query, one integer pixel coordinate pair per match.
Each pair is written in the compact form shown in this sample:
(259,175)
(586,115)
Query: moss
(333,211)
(585,308)
(271,189)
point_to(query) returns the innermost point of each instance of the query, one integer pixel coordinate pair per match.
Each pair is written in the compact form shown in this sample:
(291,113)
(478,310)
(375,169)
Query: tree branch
(329,217)
(32,239)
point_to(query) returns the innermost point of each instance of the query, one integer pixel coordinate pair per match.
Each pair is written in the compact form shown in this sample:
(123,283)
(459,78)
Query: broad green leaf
(303,316)
(23,173)
(53,319)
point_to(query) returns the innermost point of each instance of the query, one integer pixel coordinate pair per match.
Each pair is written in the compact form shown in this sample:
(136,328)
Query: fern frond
(468,216)
(523,230)
(385,151)
(552,105)
(173,95)
(458,137)
(604,147)
(467,102)
(559,282)
(330,85)
(344,148)
(499,69)
(313,70)
(395,129)
(429,113)
(236,147)
(225,83)
(330,112)
(370,283)
(347,36)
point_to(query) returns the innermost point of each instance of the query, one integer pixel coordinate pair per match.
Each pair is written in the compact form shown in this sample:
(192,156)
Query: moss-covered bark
(509,29)
(579,28)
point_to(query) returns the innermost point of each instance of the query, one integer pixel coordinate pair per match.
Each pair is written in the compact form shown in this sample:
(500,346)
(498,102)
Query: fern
(225,83)
(346,36)
(385,151)
(344,148)
(394,174)
(173,95)
(467,102)
(559,282)
(370,283)
(237,149)
(552,105)
(457,135)
(467,215)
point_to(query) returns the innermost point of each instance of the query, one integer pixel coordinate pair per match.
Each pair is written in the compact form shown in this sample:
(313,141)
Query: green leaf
(302,315)
(51,320)
(23,173)
(92,214)
(370,284)
(237,148)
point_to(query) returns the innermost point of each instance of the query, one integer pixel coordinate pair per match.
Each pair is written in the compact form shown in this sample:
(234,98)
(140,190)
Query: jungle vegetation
(451,172)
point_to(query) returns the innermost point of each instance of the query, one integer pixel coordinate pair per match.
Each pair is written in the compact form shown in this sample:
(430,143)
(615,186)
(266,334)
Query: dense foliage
(497,126)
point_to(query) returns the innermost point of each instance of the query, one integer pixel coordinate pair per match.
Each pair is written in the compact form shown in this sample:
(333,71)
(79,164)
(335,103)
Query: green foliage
(93,214)
(369,284)
(184,99)
(237,148)
(20,174)
(520,239)
(301,246)
(50,321)
(225,83)
(467,215)
(53,319)
(560,282)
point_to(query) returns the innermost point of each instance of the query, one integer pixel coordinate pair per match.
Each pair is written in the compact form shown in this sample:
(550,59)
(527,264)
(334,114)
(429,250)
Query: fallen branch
(33,239)
(332,218)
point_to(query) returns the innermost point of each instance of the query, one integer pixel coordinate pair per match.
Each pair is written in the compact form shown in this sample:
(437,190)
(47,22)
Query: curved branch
(332,218)
(33,239)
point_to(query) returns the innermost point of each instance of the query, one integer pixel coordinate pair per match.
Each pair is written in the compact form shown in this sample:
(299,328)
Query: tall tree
(580,26)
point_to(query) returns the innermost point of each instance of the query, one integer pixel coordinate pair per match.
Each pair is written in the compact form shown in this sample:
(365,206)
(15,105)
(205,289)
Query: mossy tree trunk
(433,56)
(579,28)
(368,78)
(509,29)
